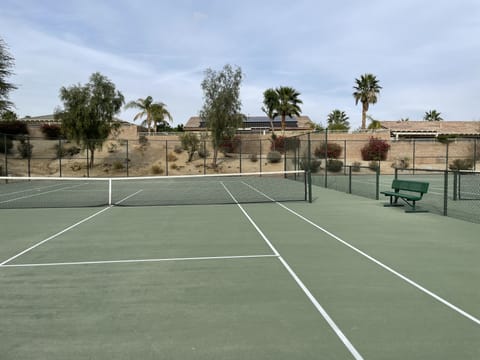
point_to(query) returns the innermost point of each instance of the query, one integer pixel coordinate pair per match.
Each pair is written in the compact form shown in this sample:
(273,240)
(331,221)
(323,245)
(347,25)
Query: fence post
(445,191)
(344,156)
(204,157)
(240,156)
(349,179)
(455,184)
(260,154)
(474,154)
(326,159)
(29,156)
(6,150)
(414,155)
(127,160)
(59,153)
(377,182)
(446,156)
(166,157)
(88,165)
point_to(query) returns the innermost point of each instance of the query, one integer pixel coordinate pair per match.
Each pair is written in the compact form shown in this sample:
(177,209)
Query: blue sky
(425,53)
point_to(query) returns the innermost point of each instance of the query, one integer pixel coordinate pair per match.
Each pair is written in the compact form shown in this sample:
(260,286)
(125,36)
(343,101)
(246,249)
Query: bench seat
(414,192)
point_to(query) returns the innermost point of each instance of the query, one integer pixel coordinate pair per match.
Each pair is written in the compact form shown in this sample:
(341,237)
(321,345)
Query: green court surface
(340,278)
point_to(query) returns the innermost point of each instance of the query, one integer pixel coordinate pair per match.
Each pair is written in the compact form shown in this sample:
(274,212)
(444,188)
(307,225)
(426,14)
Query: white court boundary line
(378,262)
(130,261)
(54,236)
(40,193)
(63,231)
(299,282)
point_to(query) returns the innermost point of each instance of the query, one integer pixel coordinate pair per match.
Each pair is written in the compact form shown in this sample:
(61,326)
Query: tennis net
(43,192)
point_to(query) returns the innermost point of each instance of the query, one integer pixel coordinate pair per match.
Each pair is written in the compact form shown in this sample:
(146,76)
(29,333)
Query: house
(127,130)
(431,129)
(258,124)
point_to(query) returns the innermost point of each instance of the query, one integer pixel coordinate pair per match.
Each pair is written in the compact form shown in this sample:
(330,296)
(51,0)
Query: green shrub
(51,131)
(15,127)
(63,151)
(274,157)
(313,166)
(332,150)
(356,166)
(461,164)
(283,144)
(376,149)
(203,153)
(253,157)
(143,140)
(373,165)
(334,165)
(25,149)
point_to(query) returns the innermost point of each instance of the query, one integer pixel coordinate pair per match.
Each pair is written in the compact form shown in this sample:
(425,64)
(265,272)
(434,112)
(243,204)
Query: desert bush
(373,165)
(461,164)
(156,169)
(230,145)
(191,143)
(274,157)
(334,165)
(112,147)
(24,149)
(118,165)
(51,131)
(332,150)
(313,165)
(63,151)
(356,166)
(253,157)
(143,140)
(203,152)
(171,157)
(283,144)
(402,163)
(376,149)
(178,149)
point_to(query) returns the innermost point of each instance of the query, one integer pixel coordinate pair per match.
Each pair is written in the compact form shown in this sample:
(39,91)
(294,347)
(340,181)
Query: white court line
(30,190)
(299,282)
(379,263)
(128,197)
(53,236)
(39,194)
(60,233)
(101,262)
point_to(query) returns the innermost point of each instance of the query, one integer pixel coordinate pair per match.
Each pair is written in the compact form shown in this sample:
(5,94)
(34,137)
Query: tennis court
(339,278)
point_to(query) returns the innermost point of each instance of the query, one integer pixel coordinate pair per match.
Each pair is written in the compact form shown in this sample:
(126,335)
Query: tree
(87,117)
(6,64)
(222,105)
(374,124)
(8,115)
(270,106)
(191,143)
(366,92)
(338,120)
(432,115)
(161,116)
(154,112)
(288,103)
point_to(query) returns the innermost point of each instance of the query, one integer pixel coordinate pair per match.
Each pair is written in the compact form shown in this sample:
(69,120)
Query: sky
(425,53)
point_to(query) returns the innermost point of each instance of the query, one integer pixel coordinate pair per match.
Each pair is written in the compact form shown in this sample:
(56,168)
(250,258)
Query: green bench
(407,190)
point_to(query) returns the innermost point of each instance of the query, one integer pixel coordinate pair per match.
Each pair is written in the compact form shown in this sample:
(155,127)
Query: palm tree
(366,91)
(374,124)
(338,120)
(153,111)
(432,115)
(160,115)
(270,102)
(288,103)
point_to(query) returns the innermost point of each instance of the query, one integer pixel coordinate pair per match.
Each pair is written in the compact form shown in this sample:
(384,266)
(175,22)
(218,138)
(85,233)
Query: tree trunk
(283,124)
(92,154)
(364,115)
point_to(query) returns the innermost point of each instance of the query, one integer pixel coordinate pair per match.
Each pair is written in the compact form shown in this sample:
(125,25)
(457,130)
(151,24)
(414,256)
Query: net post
(326,159)
(109,191)
(60,150)
(29,154)
(166,157)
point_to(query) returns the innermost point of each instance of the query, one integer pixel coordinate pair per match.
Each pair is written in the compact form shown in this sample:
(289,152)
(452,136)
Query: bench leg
(393,203)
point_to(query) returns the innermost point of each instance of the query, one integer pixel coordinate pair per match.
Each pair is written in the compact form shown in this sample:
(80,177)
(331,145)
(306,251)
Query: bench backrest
(409,185)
